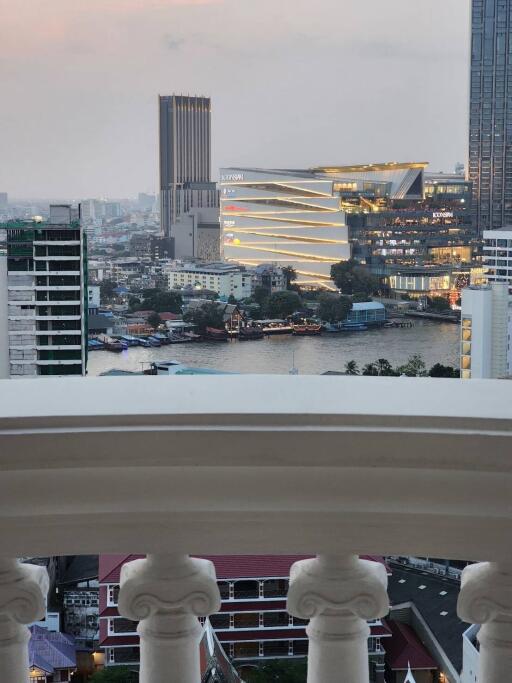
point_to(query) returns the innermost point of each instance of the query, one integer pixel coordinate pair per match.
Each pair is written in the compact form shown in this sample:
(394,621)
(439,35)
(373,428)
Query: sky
(294,83)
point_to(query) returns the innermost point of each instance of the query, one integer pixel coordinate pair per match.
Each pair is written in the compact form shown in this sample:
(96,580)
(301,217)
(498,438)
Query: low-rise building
(253,625)
(224,278)
(269,276)
(52,656)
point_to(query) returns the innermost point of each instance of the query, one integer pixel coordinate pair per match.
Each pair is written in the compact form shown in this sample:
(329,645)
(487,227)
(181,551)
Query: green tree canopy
(290,274)
(440,370)
(282,304)
(115,674)
(333,308)
(415,367)
(351,277)
(209,315)
(154,320)
(160,300)
(279,671)
(351,368)
(107,292)
(439,304)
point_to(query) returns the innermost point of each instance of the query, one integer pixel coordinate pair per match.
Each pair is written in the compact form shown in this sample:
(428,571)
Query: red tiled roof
(170,316)
(226,566)
(404,648)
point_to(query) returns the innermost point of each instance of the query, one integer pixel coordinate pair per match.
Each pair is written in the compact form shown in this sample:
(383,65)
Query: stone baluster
(23,591)
(486,598)
(338,594)
(167,594)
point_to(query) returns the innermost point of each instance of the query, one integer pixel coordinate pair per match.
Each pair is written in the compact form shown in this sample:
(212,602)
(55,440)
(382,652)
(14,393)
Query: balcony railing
(329,466)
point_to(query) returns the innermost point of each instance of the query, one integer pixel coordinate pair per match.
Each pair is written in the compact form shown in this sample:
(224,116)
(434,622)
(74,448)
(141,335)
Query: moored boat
(214,334)
(250,334)
(307,330)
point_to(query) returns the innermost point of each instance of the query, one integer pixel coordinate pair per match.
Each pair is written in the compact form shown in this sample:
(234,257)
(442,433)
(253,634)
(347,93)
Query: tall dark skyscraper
(490,119)
(185,157)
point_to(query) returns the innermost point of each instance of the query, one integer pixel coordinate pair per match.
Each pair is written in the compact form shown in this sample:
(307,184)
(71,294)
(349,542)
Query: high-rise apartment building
(486,327)
(43,292)
(497,255)
(185,157)
(490,119)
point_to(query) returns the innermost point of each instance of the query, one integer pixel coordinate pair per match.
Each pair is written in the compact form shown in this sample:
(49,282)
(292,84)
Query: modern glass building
(490,120)
(290,218)
(185,157)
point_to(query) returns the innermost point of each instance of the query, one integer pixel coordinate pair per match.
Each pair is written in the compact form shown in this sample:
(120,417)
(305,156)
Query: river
(435,342)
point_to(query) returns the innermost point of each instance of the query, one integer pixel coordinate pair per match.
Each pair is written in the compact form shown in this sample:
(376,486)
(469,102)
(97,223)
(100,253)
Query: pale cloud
(292,83)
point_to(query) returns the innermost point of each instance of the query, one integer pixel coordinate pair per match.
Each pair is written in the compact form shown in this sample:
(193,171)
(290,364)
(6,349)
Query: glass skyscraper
(490,123)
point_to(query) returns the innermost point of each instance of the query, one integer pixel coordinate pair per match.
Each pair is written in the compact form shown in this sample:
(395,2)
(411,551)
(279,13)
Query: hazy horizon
(300,84)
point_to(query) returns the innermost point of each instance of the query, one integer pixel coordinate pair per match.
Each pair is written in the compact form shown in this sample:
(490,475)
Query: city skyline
(275,103)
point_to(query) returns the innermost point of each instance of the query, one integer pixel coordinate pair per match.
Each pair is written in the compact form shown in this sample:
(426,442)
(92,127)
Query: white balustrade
(167,594)
(338,594)
(23,590)
(257,465)
(486,598)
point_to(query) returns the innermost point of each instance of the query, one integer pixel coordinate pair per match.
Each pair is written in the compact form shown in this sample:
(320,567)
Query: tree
(283,304)
(290,274)
(115,674)
(160,300)
(231,299)
(209,315)
(279,671)
(133,303)
(350,277)
(415,367)
(439,370)
(439,304)
(360,297)
(261,297)
(107,290)
(384,368)
(351,368)
(154,320)
(370,370)
(333,308)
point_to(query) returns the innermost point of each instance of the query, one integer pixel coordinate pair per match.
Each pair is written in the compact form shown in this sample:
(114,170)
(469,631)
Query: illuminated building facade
(419,238)
(490,117)
(287,218)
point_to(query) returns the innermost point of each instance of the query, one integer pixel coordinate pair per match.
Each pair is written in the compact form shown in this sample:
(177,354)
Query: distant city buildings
(43,292)
(185,158)
(4,200)
(490,117)
(486,329)
(287,218)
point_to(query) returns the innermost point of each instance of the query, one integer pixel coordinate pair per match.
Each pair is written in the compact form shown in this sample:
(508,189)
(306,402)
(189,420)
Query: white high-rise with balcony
(486,328)
(497,255)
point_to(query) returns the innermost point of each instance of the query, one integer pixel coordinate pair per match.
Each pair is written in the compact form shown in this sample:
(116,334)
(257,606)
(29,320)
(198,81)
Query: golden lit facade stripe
(289,218)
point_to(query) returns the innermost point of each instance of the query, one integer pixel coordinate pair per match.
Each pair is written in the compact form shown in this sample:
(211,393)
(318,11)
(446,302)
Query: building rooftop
(435,598)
